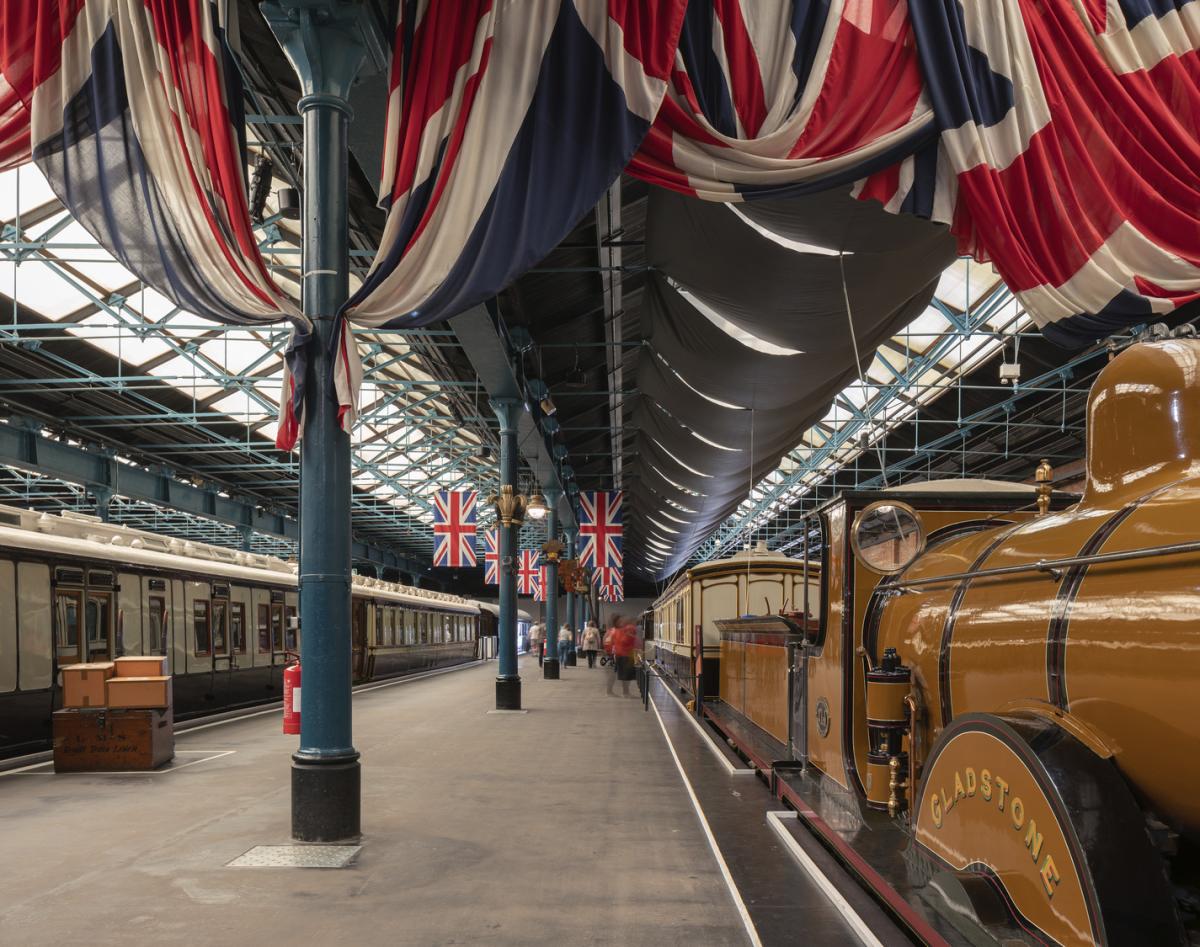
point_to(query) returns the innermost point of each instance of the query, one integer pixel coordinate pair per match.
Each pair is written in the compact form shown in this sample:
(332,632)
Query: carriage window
(264,629)
(425,616)
(290,629)
(201,627)
(394,626)
(158,624)
(277,627)
(98,617)
(220,625)
(237,627)
(68,608)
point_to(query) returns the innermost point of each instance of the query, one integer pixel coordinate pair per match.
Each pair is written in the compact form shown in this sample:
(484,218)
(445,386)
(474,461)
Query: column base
(326,800)
(550,669)
(508,693)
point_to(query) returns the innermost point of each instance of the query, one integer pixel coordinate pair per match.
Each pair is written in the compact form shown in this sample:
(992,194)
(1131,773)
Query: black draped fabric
(788,298)
(700,387)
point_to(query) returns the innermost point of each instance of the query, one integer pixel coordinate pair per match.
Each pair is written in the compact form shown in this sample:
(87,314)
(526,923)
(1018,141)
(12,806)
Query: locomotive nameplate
(982,809)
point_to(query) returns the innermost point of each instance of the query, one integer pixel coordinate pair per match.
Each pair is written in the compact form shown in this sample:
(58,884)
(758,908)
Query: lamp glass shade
(536,508)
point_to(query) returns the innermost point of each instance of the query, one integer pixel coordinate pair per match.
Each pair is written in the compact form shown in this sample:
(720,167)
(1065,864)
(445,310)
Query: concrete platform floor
(566,825)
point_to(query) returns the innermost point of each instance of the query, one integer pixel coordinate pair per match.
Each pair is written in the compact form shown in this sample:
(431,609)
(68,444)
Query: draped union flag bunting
(529,573)
(1059,139)
(491,557)
(454,528)
(600,528)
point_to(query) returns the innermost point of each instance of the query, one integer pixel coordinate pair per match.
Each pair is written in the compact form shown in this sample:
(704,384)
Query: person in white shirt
(591,643)
(566,644)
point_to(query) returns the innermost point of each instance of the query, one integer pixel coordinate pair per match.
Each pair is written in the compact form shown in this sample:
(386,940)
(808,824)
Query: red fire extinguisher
(291,698)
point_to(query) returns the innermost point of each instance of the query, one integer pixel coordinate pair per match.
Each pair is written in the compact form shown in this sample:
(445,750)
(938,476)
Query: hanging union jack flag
(600,528)
(454,528)
(610,583)
(491,557)
(543,583)
(529,572)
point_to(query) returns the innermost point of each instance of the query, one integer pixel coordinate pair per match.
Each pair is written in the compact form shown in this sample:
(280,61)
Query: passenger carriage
(74,589)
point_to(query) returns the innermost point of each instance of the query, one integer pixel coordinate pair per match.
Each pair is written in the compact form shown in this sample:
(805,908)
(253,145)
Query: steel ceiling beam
(492,358)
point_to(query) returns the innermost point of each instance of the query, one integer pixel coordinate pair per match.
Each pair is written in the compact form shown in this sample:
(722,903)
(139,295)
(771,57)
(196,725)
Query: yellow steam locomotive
(994,698)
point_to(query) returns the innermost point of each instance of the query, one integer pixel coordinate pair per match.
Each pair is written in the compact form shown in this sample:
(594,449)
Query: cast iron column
(508,681)
(325,47)
(571,535)
(550,666)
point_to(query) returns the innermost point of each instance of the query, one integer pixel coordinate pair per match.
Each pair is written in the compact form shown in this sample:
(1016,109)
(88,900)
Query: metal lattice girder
(409,415)
(822,452)
(24,447)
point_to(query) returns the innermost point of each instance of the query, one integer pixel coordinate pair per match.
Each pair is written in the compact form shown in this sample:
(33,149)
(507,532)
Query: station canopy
(764,321)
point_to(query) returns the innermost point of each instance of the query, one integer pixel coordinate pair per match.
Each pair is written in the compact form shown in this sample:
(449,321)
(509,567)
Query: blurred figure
(566,644)
(591,642)
(537,640)
(624,643)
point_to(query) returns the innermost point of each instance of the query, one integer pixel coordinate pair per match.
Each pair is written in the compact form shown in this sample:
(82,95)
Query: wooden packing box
(84,684)
(96,741)
(147,666)
(129,692)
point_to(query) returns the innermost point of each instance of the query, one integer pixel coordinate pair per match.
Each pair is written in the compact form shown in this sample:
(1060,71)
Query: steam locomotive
(989,704)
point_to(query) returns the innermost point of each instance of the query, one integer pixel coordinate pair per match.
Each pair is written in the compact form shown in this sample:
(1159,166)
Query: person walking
(537,636)
(566,644)
(624,643)
(591,643)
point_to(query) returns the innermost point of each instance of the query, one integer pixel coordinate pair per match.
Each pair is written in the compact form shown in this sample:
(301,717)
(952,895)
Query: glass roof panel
(37,286)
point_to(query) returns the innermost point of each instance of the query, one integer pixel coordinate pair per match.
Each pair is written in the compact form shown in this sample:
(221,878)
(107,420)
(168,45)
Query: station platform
(585,820)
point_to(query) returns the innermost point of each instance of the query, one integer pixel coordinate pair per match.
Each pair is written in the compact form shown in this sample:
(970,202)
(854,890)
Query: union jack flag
(491,557)
(610,583)
(600,528)
(529,572)
(543,583)
(614,592)
(454,528)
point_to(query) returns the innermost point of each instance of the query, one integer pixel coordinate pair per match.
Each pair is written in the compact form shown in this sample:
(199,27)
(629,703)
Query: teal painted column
(324,43)
(508,681)
(550,667)
(572,536)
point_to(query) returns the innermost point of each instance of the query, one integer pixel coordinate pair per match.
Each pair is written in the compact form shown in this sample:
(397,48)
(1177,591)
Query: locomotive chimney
(1143,420)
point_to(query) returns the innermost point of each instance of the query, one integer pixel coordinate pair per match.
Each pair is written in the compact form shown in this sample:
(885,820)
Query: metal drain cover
(297,856)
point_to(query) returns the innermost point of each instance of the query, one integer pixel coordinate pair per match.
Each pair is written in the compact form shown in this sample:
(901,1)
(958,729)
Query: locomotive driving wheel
(1051,826)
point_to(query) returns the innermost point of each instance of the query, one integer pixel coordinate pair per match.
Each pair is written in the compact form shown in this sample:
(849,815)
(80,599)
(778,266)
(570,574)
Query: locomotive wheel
(1051,825)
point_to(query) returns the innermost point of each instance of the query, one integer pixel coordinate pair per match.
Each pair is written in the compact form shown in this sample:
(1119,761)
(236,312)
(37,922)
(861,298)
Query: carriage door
(798,700)
(99,615)
(68,616)
(358,623)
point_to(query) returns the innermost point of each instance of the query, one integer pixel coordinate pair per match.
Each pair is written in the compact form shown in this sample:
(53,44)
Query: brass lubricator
(889,718)
(1044,476)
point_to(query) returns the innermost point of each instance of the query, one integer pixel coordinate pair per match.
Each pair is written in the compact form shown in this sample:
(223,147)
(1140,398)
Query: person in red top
(624,642)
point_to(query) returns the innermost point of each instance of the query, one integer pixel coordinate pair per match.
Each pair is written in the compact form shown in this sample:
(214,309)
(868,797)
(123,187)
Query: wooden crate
(99,740)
